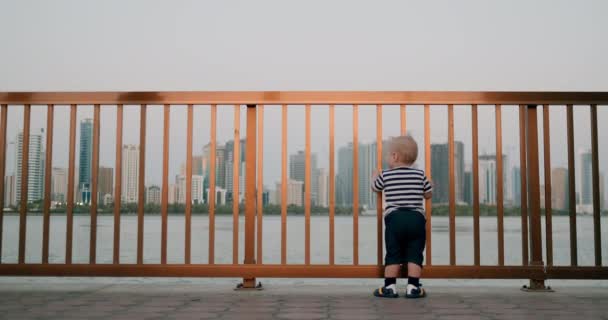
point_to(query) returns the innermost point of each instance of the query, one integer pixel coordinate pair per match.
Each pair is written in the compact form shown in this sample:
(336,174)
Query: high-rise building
(559,189)
(106,182)
(197,189)
(297,166)
(323,187)
(441,172)
(35,170)
(368,164)
(602,191)
(487,179)
(344,178)
(516,184)
(586,178)
(59,184)
(220,196)
(85,157)
(468,186)
(10,196)
(198,165)
(294,192)
(153,195)
(220,167)
(229,165)
(130,173)
(180,189)
(171,198)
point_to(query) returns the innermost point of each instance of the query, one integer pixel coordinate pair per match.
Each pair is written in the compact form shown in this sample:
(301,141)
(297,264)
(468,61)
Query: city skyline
(224,154)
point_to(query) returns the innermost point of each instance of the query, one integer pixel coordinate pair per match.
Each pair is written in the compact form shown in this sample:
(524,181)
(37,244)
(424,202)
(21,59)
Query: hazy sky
(307,45)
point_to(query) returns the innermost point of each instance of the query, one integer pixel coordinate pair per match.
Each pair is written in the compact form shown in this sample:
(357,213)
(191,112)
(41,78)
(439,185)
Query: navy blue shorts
(405,237)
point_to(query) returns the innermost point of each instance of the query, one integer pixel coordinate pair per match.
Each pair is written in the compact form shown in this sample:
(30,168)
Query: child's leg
(391,273)
(413,270)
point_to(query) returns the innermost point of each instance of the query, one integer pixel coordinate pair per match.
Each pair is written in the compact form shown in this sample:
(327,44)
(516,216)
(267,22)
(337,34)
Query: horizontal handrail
(305,97)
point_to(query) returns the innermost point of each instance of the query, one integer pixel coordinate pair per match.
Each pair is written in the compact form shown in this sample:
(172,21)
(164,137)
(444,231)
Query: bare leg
(413,270)
(392,271)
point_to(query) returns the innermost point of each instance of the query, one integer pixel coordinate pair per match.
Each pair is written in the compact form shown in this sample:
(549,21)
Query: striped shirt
(403,187)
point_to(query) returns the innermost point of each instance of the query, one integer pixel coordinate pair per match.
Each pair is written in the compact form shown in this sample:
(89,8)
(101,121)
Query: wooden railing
(533,266)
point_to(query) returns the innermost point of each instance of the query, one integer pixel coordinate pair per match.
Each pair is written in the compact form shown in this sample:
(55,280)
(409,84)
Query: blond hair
(405,147)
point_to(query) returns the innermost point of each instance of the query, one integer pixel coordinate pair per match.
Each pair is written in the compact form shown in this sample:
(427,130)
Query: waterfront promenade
(112,298)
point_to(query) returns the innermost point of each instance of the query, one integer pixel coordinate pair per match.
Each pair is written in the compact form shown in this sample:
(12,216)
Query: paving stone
(301,316)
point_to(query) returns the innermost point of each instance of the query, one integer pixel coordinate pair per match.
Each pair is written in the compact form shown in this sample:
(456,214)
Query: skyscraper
(297,166)
(59,184)
(153,194)
(516,184)
(229,165)
(180,189)
(368,164)
(323,187)
(487,179)
(294,192)
(106,182)
(10,191)
(559,189)
(586,179)
(197,189)
(130,173)
(198,165)
(468,186)
(441,172)
(344,178)
(85,157)
(35,167)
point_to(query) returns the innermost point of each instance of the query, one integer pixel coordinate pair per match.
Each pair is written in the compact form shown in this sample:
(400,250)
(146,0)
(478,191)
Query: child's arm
(378,181)
(428,188)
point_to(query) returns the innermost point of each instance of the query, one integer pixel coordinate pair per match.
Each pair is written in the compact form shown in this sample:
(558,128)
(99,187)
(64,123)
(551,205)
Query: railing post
(537,281)
(250,193)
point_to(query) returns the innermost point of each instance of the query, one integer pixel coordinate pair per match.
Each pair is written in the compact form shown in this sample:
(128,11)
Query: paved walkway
(30,298)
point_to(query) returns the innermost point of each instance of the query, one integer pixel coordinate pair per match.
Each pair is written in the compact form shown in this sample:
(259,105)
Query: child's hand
(376,174)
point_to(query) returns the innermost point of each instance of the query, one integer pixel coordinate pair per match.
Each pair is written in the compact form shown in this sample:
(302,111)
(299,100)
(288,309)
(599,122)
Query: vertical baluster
(140,186)
(165,180)
(355,184)
(117,185)
(250,184)
(403,120)
(499,187)
(452,186)
(428,204)
(379,204)
(534,185)
(212,192)
(475,156)
(548,210)
(3,125)
(524,185)
(307,181)
(597,189)
(70,196)
(571,185)
(332,184)
(236,163)
(284,185)
(260,186)
(188,218)
(48,167)
(94,186)
(25,155)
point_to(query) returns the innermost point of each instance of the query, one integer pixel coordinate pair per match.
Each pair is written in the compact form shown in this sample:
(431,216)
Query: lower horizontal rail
(297,271)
